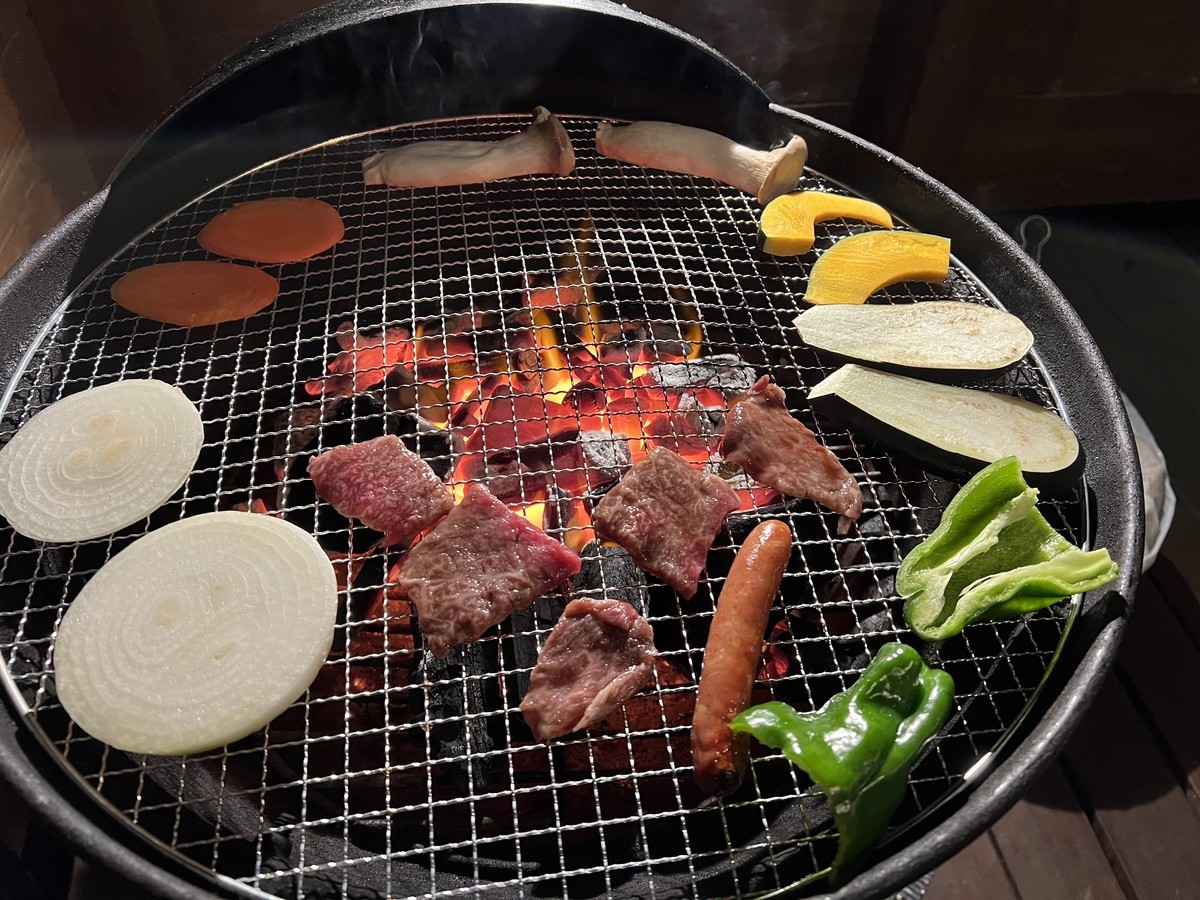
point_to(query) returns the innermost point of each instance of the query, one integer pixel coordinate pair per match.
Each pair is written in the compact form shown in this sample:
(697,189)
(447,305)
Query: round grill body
(405,777)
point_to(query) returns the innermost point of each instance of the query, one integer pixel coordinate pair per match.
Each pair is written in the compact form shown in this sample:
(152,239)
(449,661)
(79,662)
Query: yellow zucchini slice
(786,226)
(856,267)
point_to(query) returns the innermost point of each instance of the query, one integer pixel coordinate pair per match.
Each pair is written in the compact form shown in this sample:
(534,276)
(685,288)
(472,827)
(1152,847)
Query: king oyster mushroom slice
(693,151)
(542,148)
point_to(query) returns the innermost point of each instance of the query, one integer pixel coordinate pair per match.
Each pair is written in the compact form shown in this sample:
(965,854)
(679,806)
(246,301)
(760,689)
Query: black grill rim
(33,289)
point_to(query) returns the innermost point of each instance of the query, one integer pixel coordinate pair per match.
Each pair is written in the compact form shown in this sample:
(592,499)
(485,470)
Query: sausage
(732,655)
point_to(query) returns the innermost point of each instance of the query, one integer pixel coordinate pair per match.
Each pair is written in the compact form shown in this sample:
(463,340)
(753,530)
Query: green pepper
(860,746)
(993,556)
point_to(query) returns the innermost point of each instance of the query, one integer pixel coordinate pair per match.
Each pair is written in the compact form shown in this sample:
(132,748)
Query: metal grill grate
(408,777)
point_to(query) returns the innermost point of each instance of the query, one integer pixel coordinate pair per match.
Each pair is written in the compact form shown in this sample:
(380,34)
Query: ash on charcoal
(708,421)
(726,372)
(605,455)
(455,700)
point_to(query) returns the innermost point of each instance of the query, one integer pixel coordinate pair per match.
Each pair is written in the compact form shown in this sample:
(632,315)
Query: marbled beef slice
(600,653)
(762,437)
(482,563)
(666,514)
(383,484)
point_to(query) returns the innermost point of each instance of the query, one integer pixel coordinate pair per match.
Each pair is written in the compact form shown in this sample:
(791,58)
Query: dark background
(1015,104)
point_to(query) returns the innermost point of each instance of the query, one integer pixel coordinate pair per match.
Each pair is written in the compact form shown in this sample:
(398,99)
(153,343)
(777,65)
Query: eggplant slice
(952,431)
(943,340)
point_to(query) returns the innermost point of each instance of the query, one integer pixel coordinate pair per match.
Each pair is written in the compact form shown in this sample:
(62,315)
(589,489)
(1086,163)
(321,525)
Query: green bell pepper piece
(993,556)
(860,746)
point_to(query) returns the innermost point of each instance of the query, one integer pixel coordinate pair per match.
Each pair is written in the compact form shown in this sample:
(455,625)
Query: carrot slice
(195,293)
(274,230)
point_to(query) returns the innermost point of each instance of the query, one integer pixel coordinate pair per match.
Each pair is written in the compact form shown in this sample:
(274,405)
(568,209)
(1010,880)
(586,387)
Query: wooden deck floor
(1119,815)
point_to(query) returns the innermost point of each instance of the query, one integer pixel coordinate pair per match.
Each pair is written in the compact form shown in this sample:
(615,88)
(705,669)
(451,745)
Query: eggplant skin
(941,376)
(934,340)
(932,458)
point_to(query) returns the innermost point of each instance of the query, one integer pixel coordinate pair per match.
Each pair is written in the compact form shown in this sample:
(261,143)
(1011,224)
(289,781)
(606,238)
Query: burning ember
(550,402)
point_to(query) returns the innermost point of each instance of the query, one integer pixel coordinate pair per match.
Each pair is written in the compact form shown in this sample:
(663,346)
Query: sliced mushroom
(694,151)
(542,148)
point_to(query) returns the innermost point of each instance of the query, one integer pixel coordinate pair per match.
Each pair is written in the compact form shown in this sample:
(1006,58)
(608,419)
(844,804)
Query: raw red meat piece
(666,514)
(482,563)
(383,484)
(762,437)
(600,653)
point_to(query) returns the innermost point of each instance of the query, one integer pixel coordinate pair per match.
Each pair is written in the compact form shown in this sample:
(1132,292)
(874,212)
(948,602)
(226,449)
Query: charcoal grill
(396,776)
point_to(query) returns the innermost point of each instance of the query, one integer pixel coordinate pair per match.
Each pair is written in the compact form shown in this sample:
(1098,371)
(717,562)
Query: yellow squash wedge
(856,267)
(786,226)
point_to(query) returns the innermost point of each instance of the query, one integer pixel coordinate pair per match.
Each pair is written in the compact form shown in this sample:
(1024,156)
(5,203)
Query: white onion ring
(99,460)
(197,634)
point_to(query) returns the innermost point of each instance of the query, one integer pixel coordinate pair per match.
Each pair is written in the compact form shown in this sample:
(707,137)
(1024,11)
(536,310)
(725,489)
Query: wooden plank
(108,85)
(1083,152)
(900,48)
(1048,845)
(43,172)
(1142,815)
(960,62)
(1179,593)
(1098,47)
(1162,666)
(976,872)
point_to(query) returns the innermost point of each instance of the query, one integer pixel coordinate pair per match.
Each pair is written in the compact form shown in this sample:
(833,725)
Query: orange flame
(535,513)
(556,375)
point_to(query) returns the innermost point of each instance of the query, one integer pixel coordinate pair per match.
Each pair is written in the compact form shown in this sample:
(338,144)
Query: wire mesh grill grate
(408,778)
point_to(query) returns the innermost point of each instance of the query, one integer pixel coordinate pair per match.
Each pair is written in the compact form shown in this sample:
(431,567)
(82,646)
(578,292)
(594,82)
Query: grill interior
(410,776)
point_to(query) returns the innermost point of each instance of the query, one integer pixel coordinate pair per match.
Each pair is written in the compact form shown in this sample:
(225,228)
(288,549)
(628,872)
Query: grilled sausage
(732,654)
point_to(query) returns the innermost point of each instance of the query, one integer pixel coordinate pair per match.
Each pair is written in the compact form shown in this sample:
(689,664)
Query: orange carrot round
(274,230)
(195,293)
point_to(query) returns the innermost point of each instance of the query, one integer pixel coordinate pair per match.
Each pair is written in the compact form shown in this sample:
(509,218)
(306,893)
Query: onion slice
(99,460)
(197,634)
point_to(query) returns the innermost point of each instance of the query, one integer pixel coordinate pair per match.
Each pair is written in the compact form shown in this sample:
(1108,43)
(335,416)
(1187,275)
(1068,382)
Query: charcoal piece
(704,420)
(514,476)
(399,390)
(606,451)
(726,372)
(431,443)
(455,705)
(298,426)
(25,665)
(626,342)
(610,572)
(524,625)
(866,566)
